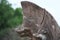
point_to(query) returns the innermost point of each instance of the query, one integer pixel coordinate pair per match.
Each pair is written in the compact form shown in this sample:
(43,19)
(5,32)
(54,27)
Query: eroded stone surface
(37,19)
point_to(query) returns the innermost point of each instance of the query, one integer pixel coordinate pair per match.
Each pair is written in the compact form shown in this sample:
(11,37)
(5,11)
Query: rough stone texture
(39,21)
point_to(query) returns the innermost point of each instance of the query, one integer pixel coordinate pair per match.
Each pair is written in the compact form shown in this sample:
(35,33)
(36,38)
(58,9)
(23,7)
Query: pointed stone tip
(24,3)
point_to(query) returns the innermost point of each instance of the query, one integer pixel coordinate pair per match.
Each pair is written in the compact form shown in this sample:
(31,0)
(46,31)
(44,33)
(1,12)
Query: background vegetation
(9,17)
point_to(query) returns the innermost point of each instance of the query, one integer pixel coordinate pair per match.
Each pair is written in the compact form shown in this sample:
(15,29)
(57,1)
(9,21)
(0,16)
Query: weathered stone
(38,22)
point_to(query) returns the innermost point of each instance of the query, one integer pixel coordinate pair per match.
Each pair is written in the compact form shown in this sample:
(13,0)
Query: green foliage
(4,32)
(17,18)
(5,13)
(8,16)
(18,12)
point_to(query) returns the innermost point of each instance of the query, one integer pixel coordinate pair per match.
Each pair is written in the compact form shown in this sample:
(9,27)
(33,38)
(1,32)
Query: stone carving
(38,24)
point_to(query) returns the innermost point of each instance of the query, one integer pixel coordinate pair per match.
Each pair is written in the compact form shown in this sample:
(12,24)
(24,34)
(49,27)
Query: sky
(52,6)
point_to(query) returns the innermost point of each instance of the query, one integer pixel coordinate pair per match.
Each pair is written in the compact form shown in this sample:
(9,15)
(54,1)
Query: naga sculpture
(38,24)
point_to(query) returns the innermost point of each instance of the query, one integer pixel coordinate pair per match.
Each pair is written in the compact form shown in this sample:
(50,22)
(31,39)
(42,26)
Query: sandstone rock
(39,21)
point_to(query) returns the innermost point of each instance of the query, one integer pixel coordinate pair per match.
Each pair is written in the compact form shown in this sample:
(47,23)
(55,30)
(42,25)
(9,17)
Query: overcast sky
(53,6)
